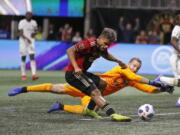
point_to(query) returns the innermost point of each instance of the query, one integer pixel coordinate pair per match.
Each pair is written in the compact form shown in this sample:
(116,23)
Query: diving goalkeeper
(114,80)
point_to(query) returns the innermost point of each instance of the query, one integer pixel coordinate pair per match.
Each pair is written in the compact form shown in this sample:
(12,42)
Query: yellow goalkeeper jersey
(116,79)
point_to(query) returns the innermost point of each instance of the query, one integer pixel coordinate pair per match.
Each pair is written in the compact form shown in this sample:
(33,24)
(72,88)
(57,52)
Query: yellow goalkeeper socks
(78,109)
(46,87)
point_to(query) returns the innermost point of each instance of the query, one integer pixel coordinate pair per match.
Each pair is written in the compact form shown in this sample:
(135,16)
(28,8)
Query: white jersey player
(175,58)
(28,29)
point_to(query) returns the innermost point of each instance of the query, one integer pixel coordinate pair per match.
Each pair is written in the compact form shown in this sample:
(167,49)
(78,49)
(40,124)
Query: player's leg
(67,90)
(101,84)
(46,87)
(172,81)
(31,50)
(77,109)
(86,85)
(99,100)
(23,68)
(109,110)
(23,53)
(82,83)
(33,67)
(57,106)
(175,63)
(178,102)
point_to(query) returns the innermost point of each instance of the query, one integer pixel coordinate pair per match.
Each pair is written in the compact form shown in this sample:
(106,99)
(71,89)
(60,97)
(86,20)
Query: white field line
(159,114)
(163,114)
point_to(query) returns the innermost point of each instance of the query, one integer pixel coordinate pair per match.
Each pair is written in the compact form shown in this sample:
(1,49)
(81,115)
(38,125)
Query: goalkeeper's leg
(58,106)
(78,109)
(46,87)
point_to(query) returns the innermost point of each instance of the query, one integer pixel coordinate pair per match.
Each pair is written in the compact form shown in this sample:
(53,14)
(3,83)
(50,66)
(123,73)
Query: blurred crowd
(67,34)
(134,34)
(64,33)
(157,31)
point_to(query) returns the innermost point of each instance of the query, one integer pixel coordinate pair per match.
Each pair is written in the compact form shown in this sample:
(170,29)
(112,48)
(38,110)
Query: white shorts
(25,48)
(175,63)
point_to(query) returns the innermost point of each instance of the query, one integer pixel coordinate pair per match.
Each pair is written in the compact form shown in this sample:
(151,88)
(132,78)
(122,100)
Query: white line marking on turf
(159,114)
(162,114)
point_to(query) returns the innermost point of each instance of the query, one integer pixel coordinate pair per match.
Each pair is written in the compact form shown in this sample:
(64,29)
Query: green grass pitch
(26,114)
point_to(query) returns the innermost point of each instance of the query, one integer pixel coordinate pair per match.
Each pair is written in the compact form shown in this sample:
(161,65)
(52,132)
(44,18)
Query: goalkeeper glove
(156,83)
(167,88)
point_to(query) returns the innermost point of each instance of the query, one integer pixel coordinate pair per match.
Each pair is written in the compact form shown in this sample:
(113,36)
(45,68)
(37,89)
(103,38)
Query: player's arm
(145,87)
(34,33)
(134,77)
(71,55)
(21,34)
(35,30)
(151,89)
(80,47)
(110,57)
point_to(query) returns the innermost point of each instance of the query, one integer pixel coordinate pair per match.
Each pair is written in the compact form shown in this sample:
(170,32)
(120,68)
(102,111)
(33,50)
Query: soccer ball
(146,112)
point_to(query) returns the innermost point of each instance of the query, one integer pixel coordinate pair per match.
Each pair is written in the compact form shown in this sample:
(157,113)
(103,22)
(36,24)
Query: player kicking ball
(81,56)
(115,79)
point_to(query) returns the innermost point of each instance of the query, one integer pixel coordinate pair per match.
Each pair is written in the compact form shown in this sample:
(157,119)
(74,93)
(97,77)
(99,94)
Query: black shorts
(87,82)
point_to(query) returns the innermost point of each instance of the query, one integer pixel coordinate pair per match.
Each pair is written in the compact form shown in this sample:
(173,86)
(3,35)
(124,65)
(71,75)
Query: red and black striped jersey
(86,52)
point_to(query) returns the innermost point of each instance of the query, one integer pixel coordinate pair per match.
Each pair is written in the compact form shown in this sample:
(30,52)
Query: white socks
(169,80)
(33,67)
(23,68)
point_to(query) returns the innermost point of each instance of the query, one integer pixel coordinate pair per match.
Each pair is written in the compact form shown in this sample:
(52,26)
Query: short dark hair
(137,59)
(109,34)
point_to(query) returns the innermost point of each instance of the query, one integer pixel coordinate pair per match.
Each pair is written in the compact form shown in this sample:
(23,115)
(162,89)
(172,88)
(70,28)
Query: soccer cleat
(23,77)
(56,107)
(15,91)
(92,113)
(34,77)
(178,103)
(121,118)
